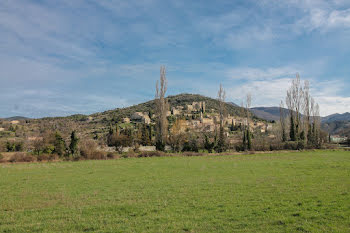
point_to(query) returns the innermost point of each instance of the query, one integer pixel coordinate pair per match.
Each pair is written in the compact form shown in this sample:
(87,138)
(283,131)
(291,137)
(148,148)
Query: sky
(63,57)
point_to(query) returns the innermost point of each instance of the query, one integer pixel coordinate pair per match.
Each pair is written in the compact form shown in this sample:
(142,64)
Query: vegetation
(291,192)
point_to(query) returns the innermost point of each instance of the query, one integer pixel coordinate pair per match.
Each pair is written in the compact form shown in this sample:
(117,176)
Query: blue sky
(82,56)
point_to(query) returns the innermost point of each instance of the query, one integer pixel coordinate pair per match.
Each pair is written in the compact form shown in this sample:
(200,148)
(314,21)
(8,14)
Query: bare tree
(294,101)
(248,133)
(221,145)
(283,122)
(161,108)
(221,98)
(299,100)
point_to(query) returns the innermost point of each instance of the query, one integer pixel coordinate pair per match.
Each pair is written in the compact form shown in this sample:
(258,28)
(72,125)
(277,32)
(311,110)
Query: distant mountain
(336,117)
(269,113)
(341,128)
(232,103)
(16,118)
(333,124)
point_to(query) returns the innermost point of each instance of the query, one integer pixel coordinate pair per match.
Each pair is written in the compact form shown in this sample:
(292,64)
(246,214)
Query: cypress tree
(292,129)
(73,147)
(59,144)
(244,140)
(249,140)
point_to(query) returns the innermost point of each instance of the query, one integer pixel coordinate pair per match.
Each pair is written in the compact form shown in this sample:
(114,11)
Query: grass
(290,192)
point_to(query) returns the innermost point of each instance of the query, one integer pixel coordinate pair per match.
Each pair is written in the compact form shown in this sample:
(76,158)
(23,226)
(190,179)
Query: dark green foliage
(190,145)
(292,132)
(209,146)
(73,146)
(221,145)
(302,135)
(14,146)
(145,137)
(284,135)
(249,140)
(160,145)
(59,145)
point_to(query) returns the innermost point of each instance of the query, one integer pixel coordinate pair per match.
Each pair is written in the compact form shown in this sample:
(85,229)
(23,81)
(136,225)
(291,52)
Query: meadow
(281,192)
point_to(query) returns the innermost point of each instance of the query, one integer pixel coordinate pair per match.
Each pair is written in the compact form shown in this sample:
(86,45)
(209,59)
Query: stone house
(141,117)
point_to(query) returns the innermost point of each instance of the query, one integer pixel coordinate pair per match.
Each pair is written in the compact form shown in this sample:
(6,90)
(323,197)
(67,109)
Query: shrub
(47,157)
(22,157)
(97,155)
(111,155)
(300,145)
(291,145)
(276,146)
(151,154)
(88,150)
(188,153)
(130,154)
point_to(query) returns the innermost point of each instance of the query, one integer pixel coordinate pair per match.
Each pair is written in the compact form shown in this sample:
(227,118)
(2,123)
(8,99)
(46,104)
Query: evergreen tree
(221,145)
(302,135)
(194,146)
(145,138)
(73,147)
(310,136)
(232,128)
(292,129)
(249,140)
(59,144)
(244,146)
(208,145)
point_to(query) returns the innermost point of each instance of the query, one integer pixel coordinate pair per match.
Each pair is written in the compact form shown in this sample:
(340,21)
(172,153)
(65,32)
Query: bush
(47,157)
(97,155)
(276,146)
(111,155)
(130,155)
(239,148)
(151,154)
(188,153)
(291,145)
(88,150)
(22,157)
(300,145)
(14,146)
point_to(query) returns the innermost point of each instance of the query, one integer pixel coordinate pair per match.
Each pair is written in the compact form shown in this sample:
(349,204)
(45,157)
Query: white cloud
(325,20)
(268,87)
(333,104)
(248,73)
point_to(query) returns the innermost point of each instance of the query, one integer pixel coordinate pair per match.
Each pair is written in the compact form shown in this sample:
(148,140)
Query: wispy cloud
(86,56)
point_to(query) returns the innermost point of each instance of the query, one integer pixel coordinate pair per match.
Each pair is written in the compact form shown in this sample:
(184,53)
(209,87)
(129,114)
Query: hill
(176,100)
(16,118)
(97,125)
(269,113)
(336,117)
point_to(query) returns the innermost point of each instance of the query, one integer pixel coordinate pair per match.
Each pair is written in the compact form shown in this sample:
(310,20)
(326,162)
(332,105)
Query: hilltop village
(196,117)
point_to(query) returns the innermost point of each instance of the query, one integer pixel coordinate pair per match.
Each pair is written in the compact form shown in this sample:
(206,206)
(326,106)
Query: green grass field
(290,192)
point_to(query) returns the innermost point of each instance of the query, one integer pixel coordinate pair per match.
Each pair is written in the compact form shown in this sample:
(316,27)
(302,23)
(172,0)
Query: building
(141,117)
(338,139)
(126,120)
